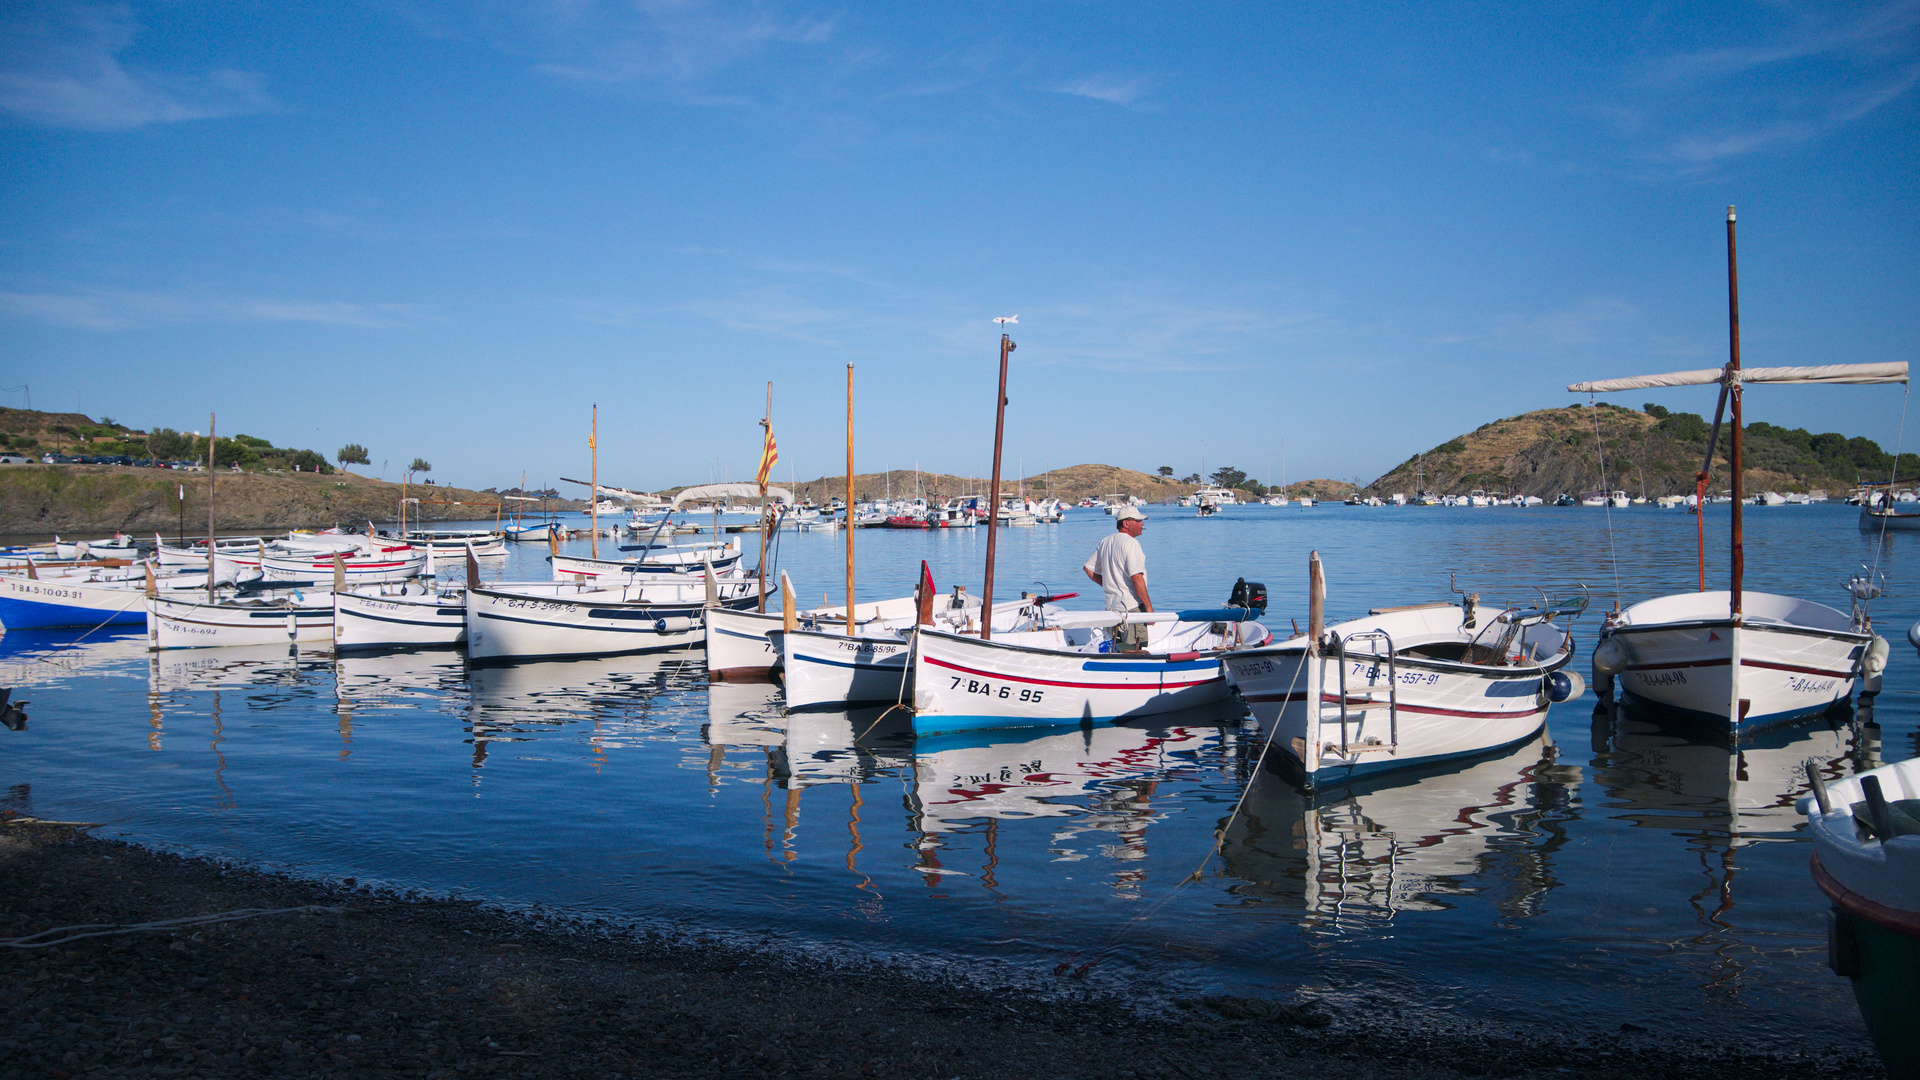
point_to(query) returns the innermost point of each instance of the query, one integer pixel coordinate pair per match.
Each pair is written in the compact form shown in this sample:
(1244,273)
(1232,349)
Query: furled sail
(730,491)
(1825,373)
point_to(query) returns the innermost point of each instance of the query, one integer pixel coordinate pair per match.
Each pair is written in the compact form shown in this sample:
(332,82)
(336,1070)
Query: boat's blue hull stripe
(33,615)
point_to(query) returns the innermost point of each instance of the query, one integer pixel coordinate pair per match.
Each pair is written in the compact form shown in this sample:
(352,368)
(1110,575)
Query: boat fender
(1610,657)
(672,626)
(1565,685)
(1875,660)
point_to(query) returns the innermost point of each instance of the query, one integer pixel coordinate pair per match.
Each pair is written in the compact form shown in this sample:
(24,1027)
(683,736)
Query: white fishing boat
(481,542)
(1406,686)
(76,597)
(1795,657)
(1065,672)
(531,532)
(560,619)
(267,618)
(659,559)
(358,569)
(1218,496)
(738,648)
(399,615)
(1737,657)
(1866,859)
(822,666)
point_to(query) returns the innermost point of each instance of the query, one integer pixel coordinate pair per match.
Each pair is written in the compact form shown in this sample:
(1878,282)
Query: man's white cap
(1128,513)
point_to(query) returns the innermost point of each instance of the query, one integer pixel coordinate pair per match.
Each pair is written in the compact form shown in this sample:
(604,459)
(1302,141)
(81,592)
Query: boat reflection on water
(615,697)
(1739,879)
(265,668)
(30,658)
(847,747)
(1099,782)
(431,679)
(1701,782)
(1348,855)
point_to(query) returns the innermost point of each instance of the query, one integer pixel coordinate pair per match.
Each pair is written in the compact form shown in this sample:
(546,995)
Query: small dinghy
(1866,859)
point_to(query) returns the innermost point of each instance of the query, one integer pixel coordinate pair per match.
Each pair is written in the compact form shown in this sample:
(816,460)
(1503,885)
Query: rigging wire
(1600,446)
(1893,474)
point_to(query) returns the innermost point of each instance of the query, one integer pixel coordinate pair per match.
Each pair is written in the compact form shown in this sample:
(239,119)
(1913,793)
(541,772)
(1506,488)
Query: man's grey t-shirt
(1116,560)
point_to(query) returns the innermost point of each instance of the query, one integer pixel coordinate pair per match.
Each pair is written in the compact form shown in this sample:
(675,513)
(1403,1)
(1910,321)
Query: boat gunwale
(1189,657)
(1539,668)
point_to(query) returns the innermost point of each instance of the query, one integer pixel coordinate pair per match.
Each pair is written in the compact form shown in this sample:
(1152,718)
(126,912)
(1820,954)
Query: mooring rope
(61,935)
(1115,939)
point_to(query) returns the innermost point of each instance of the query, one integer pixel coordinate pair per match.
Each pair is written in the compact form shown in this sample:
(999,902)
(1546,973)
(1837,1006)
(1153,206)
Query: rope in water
(61,935)
(1219,839)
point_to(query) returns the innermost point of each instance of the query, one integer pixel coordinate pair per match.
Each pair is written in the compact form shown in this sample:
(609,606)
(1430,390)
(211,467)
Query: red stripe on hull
(1745,664)
(1428,710)
(1163,687)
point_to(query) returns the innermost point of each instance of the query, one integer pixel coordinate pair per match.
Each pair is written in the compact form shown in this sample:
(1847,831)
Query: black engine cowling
(1248,594)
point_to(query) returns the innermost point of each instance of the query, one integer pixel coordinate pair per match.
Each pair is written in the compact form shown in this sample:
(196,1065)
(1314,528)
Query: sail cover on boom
(1831,374)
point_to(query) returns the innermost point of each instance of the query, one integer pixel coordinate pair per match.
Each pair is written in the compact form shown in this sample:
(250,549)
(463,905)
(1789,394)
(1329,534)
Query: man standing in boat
(1119,567)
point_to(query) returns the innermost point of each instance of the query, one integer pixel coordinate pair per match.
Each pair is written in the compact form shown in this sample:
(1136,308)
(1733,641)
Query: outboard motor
(1248,594)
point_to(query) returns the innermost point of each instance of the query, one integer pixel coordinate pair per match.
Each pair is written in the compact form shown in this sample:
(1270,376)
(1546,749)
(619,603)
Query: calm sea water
(1614,871)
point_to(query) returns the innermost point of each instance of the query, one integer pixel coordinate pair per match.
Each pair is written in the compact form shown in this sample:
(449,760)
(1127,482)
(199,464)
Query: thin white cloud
(1125,91)
(61,69)
(114,309)
(1690,112)
(1869,30)
(715,52)
(1701,150)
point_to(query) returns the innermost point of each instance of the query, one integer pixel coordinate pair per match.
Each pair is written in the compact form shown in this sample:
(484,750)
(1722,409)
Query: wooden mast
(593,497)
(212,563)
(993,498)
(849,508)
(766,433)
(1733,393)
(1736,708)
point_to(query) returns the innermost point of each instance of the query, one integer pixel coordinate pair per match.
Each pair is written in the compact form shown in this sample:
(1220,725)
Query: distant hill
(1071,484)
(1654,452)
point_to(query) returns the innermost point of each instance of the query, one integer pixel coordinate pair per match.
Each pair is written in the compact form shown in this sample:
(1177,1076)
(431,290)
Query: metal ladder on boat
(1371,701)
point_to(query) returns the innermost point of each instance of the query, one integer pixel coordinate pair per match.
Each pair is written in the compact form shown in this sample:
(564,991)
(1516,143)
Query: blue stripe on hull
(1341,774)
(33,615)
(1750,723)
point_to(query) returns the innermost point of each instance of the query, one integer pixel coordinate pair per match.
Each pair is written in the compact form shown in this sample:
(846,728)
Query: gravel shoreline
(382,985)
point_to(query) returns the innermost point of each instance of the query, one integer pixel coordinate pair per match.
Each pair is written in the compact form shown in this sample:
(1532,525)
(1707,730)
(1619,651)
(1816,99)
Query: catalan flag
(768,455)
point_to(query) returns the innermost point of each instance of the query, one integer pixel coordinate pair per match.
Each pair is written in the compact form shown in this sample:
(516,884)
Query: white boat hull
(510,626)
(185,624)
(690,561)
(319,570)
(366,619)
(965,684)
(54,601)
(1796,657)
(1440,706)
(821,668)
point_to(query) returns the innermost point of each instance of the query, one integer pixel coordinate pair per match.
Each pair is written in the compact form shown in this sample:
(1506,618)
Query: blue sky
(446,229)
